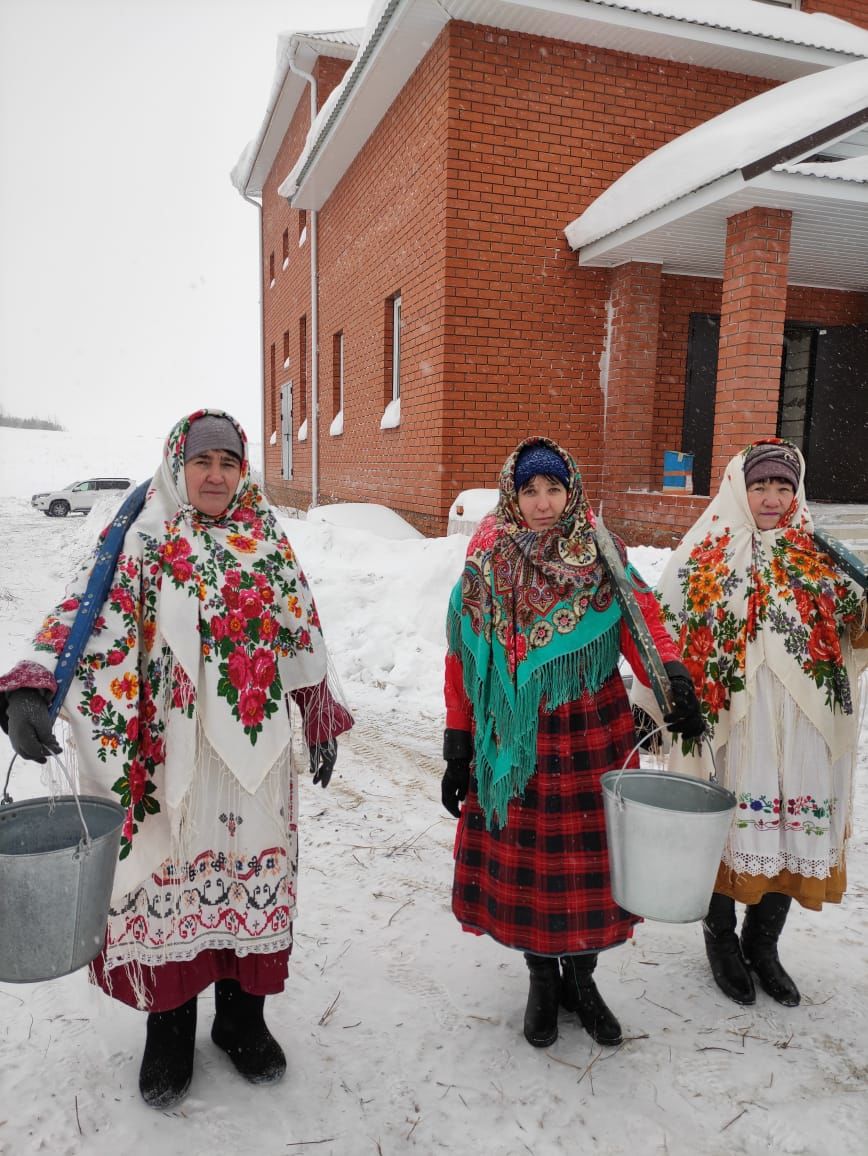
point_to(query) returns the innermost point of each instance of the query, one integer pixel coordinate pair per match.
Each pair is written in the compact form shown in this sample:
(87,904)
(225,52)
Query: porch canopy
(771,193)
(801,147)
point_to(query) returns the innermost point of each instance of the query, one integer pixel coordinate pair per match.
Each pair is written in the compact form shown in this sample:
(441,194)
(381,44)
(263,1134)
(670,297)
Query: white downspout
(314,312)
(262,378)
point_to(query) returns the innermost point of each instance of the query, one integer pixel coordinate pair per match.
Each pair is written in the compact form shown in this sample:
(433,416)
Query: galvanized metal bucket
(666,834)
(57,866)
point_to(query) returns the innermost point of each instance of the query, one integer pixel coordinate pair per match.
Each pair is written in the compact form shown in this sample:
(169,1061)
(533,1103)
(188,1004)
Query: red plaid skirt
(541,883)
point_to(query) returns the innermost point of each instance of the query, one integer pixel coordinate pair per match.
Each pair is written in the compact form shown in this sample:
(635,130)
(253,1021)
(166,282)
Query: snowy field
(402,1033)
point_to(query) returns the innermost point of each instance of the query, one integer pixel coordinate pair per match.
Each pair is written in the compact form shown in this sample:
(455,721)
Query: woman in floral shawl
(536,707)
(178,711)
(765,623)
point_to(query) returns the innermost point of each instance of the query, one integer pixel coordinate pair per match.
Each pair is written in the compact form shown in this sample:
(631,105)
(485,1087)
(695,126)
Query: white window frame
(396,347)
(286,430)
(341,373)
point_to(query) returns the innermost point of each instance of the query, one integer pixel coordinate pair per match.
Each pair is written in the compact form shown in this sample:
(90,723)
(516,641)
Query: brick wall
(634,302)
(753,310)
(679,297)
(458,200)
(659,519)
(538,129)
(856,11)
(826,306)
(287,301)
(381,232)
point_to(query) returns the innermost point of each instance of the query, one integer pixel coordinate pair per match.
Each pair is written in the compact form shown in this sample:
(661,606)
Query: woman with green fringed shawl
(536,713)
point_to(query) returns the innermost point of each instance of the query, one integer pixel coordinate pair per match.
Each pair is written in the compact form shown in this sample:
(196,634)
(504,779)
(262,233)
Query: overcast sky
(128,262)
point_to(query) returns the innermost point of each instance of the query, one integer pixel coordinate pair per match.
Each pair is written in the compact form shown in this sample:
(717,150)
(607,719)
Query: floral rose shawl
(535,623)
(735,597)
(208,623)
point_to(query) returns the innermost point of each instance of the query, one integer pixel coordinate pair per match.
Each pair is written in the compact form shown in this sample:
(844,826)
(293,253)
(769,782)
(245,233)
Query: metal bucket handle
(85,843)
(657,731)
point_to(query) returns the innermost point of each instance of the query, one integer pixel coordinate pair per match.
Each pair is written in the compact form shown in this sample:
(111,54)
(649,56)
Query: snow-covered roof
(784,118)
(739,35)
(816,30)
(287,88)
(848,169)
(802,147)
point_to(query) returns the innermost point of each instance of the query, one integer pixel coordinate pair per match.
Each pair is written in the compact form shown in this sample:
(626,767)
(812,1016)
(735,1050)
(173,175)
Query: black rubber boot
(579,994)
(541,1014)
(240,1030)
(731,973)
(167,1065)
(760,932)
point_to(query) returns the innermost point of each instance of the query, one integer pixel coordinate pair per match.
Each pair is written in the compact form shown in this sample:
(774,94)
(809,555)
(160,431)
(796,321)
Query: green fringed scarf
(535,623)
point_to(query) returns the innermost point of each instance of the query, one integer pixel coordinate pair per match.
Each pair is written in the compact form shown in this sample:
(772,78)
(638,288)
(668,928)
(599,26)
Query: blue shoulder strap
(98,586)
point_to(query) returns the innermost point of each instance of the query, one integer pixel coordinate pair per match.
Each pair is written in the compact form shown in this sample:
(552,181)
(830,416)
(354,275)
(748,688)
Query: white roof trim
(849,169)
(287,89)
(829,238)
(668,214)
(752,38)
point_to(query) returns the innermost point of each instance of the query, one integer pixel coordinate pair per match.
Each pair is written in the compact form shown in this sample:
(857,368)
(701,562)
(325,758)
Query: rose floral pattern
(791,591)
(736,596)
(205,616)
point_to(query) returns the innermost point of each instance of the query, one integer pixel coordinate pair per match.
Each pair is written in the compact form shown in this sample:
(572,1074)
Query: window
(302,369)
(286,430)
(302,226)
(273,388)
(271,268)
(391,418)
(338,373)
(286,349)
(285,247)
(396,347)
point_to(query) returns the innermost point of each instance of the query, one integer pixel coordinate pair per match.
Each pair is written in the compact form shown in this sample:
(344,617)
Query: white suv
(77,498)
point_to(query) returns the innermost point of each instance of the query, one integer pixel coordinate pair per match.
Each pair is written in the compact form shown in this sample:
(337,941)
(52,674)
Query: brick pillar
(753,309)
(634,302)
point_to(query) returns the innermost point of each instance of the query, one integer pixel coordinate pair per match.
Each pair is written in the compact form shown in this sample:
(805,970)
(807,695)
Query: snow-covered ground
(404,1034)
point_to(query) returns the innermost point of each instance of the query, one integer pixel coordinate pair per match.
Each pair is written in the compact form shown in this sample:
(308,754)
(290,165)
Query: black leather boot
(240,1030)
(167,1065)
(731,973)
(760,932)
(541,1014)
(579,994)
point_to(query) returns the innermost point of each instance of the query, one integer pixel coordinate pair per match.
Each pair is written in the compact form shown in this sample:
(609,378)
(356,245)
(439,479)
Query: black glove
(457,751)
(453,789)
(30,725)
(685,718)
(323,757)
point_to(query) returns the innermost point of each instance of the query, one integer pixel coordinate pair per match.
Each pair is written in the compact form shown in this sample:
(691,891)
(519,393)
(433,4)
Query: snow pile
(365,516)
(403,1034)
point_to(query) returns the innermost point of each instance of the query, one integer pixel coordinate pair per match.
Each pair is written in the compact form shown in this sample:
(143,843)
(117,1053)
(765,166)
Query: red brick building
(466,249)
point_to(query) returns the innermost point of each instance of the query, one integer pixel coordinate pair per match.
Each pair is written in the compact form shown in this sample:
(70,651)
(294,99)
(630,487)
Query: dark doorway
(837,444)
(697,431)
(823,404)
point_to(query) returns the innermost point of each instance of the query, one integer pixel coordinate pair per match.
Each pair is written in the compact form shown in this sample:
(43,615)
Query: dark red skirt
(172,984)
(541,883)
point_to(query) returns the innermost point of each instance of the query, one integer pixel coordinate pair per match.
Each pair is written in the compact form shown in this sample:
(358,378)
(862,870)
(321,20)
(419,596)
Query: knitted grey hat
(212,432)
(772,460)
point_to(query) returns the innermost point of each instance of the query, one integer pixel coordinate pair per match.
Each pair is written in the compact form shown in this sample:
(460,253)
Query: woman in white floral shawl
(766,626)
(178,711)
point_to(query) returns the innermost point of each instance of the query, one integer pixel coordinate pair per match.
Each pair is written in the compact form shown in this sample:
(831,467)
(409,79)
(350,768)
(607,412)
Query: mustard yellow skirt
(810,893)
